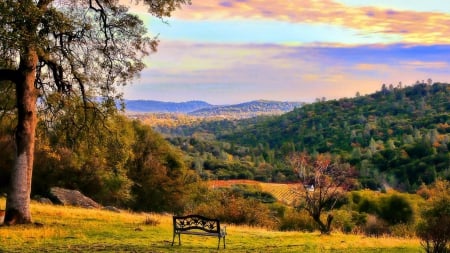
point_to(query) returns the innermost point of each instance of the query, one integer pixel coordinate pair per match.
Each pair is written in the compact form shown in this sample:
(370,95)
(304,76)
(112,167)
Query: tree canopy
(56,50)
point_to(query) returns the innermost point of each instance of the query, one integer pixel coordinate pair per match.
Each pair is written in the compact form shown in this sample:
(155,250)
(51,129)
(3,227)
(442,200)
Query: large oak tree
(71,48)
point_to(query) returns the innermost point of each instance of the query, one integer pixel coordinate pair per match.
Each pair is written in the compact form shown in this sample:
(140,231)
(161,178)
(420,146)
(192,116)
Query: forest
(396,137)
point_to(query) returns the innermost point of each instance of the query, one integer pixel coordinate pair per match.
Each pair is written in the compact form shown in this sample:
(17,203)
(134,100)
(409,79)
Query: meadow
(72,229)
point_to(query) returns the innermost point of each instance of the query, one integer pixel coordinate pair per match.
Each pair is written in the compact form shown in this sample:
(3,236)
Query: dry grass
(70,229)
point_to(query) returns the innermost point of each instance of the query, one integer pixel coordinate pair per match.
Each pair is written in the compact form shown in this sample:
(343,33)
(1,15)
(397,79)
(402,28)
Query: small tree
(434,230)
(323,184)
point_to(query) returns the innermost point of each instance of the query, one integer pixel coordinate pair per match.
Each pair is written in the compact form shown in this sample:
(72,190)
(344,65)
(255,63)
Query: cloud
(413,26)
(224,73)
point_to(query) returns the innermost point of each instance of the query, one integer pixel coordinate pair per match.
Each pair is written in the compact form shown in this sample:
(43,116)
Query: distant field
(70,229)
(286,193)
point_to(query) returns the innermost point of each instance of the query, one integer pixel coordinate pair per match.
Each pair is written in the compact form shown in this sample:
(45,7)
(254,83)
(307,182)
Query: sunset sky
(232,51)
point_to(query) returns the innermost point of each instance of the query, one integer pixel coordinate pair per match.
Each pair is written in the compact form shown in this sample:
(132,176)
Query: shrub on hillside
(368,206)
(375,226)
(403,230)
(349,221)
(396,209)
(295,220)
(434,230)
(235,209)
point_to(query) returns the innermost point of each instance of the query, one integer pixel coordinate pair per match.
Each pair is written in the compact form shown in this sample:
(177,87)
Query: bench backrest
(184,223)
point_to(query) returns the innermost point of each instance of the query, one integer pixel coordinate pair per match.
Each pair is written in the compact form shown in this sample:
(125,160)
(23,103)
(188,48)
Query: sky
(234,51)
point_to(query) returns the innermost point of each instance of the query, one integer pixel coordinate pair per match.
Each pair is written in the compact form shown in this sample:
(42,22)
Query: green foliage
(395,209)
(297,220)
(390,213)
(112,159)
(158,172)
(90,159)
(368,206)
(399,134)
(434,230)
(349,221)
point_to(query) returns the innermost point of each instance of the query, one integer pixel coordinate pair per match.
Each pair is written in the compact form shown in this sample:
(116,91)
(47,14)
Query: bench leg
(179,239)
(218,245)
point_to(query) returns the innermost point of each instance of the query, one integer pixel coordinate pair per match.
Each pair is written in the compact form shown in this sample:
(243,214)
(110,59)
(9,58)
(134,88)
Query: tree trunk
(18,199)
(324,228)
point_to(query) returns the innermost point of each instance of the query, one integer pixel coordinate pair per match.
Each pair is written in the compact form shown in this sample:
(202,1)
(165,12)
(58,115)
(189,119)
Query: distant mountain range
(201,108)
(153,106)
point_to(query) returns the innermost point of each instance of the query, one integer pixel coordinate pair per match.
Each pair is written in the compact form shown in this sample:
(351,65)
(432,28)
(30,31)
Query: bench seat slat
(199,233)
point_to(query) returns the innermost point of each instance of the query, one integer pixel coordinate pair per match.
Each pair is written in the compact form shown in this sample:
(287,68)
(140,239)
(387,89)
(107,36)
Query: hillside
(248,110)
(200,109)
(146,106)
(398,137)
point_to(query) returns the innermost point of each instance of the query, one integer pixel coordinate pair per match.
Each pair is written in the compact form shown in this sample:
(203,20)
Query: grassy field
(70,229)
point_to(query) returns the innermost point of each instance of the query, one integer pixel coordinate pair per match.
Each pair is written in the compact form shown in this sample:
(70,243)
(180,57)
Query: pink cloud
(414,27)
(224,73)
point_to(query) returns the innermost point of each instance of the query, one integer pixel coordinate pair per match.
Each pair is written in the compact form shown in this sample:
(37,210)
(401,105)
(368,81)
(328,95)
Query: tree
(434,230)
(83,48)
(161,180)
(323,184)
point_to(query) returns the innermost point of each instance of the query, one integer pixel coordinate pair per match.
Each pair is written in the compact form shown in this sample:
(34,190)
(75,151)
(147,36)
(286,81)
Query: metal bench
(197,225)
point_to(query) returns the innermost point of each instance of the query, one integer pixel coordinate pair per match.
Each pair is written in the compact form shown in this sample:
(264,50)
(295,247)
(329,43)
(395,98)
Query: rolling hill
(204,109)
(396,137)
(248,109)
(151,106)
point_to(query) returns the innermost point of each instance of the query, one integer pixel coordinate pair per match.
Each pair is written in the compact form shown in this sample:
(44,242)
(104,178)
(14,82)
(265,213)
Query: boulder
(72,198)
(44,201)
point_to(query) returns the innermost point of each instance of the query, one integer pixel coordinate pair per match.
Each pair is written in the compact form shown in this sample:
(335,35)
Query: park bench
(197,225)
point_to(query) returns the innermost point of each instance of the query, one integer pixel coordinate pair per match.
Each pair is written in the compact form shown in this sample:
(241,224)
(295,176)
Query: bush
(368,206)
(403,230)
(349,221)
(375,226)
(434,230)
(294,220)
(235,209)
(396,209)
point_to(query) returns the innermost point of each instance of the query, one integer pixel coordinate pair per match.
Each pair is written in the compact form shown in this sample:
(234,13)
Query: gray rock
(44,201)
(72,198)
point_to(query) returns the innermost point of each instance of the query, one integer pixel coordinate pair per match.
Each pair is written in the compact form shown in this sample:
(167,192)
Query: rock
(72,198)
(44,201)
(111,208)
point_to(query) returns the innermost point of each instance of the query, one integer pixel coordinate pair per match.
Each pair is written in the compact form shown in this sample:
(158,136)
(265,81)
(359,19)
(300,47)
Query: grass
(71,229)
